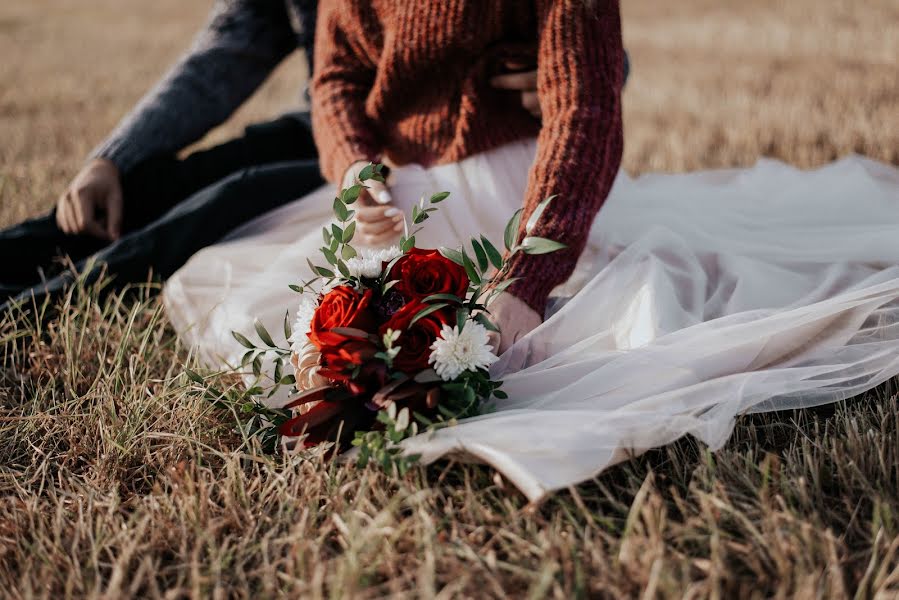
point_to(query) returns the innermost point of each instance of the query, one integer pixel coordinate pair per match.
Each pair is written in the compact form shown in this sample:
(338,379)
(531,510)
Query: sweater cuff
(119,152)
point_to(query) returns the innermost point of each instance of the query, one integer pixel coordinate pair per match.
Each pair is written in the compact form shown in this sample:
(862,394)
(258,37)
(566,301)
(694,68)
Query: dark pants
(173,208)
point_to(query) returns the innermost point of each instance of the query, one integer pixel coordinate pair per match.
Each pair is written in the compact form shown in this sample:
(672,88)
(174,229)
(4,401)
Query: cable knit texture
(410,80)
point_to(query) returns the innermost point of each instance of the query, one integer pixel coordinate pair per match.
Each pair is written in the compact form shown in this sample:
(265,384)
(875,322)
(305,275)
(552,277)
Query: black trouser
(173,208)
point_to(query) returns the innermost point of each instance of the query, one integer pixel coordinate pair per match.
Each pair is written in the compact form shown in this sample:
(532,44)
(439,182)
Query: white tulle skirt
(700,297)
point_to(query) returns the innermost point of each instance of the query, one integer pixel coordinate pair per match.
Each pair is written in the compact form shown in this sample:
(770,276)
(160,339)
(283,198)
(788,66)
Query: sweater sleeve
(238,48)
(579,81)
(343,79)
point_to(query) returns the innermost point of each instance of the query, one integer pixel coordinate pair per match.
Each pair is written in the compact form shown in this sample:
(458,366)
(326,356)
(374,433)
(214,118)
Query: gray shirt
(241,44)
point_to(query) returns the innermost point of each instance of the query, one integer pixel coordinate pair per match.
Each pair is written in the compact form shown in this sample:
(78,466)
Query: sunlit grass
(118,478)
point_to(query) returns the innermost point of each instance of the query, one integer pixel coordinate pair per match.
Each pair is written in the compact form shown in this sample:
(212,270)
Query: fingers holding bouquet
(378,222)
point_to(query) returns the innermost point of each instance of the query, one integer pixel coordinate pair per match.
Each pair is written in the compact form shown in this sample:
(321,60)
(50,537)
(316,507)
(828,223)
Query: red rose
(416,338)
(422,273)
(338,361)
(341,307)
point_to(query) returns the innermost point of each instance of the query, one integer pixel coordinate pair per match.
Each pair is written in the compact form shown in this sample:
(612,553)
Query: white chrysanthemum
(370,262)
(302,324)
(455,352)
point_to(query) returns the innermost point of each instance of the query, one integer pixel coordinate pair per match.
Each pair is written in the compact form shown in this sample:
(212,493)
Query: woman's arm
(343,78)
(580,76)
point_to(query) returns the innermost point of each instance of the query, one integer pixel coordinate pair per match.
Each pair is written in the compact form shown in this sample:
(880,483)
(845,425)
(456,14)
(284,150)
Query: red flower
(416,338)
(338,361)
(422,273)
(342,307)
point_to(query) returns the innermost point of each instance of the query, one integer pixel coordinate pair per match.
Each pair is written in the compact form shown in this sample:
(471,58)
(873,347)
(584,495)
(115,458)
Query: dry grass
(117,480)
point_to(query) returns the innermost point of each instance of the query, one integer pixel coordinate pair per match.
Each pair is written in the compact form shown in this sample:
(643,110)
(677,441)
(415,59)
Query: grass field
(117,479)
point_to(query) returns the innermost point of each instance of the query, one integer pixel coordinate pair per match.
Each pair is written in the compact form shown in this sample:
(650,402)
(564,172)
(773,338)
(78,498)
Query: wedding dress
(700,296)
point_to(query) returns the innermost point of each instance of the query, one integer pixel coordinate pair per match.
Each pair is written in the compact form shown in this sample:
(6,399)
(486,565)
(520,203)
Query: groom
(136,207)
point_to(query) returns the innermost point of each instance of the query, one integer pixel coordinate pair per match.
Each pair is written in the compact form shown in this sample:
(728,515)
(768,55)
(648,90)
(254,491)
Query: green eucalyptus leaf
(510,237)
(366,172)
(344,270)
(439,197)
(487,323)
(329,256)
(470,269)
(340,210)
(493,254)
(279,369)
(462,315)
(287,328)
(480,255)
(326,236)
(539,245)
(449,297)
(424,313)
(349,232)
(297,288)
(263,334)
(351,194)
(453,255)
(324,272)
(347,252)
(407,244)
(501,287)
(243,341)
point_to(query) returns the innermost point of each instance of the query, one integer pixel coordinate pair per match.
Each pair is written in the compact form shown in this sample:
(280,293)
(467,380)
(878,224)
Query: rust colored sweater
(409,79)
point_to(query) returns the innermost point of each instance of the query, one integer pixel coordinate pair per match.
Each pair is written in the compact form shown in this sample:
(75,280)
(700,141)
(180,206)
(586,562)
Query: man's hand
(514,318)
(524,81)
(92,204)
(377,223)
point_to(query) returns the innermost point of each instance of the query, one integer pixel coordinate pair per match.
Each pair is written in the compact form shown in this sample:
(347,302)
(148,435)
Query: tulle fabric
(700,296)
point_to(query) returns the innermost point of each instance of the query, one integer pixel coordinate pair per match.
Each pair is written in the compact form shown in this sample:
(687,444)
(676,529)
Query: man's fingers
(85,218)
(522,82)
(531,102)
(114,215)
(63,214)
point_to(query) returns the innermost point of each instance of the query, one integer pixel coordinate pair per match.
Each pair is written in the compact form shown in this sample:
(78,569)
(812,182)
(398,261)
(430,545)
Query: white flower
(302,324)
(455,352)
(370,262)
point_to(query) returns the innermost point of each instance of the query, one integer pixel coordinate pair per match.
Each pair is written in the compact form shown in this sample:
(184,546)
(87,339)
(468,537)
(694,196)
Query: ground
(117,479)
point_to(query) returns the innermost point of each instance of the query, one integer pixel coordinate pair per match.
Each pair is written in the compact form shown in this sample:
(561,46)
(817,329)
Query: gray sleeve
(239,47)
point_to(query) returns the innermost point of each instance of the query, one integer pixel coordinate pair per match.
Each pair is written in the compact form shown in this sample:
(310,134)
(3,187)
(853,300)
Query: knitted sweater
(241,44)
(409,79)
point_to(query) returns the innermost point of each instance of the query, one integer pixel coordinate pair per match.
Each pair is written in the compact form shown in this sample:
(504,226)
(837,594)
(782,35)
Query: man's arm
(240,46)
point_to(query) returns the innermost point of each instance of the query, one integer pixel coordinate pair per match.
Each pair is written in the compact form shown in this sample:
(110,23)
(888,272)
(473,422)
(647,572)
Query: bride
(690,298)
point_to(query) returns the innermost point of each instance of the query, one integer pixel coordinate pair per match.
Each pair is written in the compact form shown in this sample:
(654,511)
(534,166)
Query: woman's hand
(377,223)
(514,318)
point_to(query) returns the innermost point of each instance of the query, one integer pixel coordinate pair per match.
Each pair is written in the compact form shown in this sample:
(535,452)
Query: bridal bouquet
(389,342)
